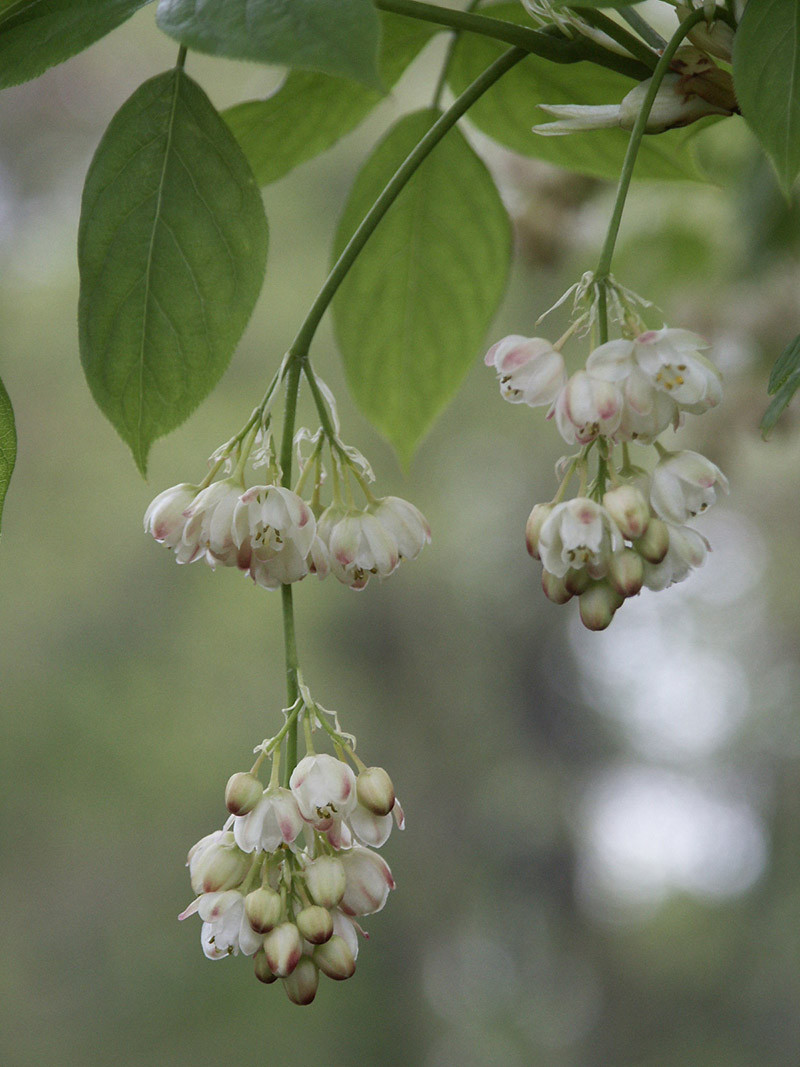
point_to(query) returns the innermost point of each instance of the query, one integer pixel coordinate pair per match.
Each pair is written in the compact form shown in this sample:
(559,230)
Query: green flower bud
(626,572)
(315,924)
(375,790)
(335,959)
(598,605)
(577,580)
(242,793)
(263,908)
(534,524)
(653,545)
(283,947)
(554,588)
(261,967)
(301,985)
(326,881)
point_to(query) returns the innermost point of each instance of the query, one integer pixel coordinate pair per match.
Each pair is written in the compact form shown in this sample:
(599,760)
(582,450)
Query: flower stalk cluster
(277,537)
(627,527)
(292,870)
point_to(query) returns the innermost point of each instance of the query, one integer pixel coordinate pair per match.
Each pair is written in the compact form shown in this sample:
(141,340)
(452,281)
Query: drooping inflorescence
(627,527)
(294,867)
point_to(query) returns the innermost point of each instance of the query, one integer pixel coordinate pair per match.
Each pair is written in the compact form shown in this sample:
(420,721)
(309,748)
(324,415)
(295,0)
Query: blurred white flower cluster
(293,869)
(276,537)
(626,528)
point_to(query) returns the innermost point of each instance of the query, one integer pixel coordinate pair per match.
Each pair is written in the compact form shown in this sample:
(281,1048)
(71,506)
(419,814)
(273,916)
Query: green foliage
(508,111)
(8,443)
(766,75)
(577,4)
(310,111)
(412,313)
(172,247)
(35,35)
(334,36)
(784,381)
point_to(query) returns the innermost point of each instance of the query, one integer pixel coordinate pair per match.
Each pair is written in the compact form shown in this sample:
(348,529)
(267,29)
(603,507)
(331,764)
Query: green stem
(292,688)
(287,604)
(181,60)
(607,253)
(537,42)
(619,34)
(396,183)
(442,80)
(644,29)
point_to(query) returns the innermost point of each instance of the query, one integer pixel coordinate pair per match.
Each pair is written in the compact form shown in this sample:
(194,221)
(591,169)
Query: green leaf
(508,110)
(310,112)
(766,75)
(38,34)
(171,247)
(784,382)
(333,36)
(787,364)
(412,314)
(8,443)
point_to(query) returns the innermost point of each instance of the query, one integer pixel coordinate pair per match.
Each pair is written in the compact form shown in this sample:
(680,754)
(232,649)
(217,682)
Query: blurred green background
(601,862)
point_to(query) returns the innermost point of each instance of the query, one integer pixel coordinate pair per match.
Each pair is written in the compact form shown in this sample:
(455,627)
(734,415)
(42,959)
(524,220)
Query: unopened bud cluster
(277,537)
(293,869)
(626,528)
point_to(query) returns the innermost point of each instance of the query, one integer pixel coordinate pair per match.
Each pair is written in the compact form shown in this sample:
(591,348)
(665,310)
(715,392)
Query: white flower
(674,105)
(687,550)
(275,820)
(274,530)
(657,367)
(225,930)
(358,545)
(324,788)
(368,881)
(684,484)
(586,408)
(578,533)
(165,519)
(372,829)
(404,523)
(209,521)
(530,370)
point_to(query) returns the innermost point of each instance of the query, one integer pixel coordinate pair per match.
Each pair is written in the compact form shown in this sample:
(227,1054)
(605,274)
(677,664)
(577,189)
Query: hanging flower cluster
(294,868)
(626,528)
(274,535)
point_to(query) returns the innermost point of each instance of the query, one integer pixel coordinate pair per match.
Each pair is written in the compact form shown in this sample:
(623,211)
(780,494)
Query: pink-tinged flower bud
(629,509)
(404,523)
(554,588)
(283,947)
(261,968)
(219,867)
(685,484)
(530,370)
(324,788)
(315,924)
(375,790)
(242,793)
(536,520)
(577,581)
(165,518)
(368,881)
(598,606)
(326,880)
(301,985)
(335,959)
(587,408)
(626,572)
(654,543)
(264,909)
